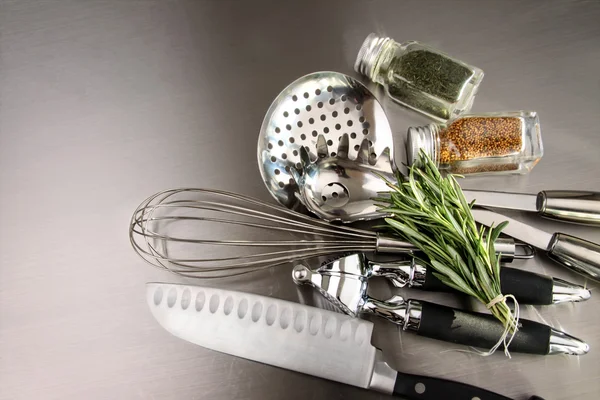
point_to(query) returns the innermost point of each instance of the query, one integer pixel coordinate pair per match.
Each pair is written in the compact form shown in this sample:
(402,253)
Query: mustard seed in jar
(500,143)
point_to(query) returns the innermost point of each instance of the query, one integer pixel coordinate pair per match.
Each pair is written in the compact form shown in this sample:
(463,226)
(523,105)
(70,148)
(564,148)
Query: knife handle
(580,207)
(417,387)
(527,287)
(479,330)
(576,254)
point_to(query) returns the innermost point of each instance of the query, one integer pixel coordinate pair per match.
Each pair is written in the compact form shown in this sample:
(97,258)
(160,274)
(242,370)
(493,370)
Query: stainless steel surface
(288,335)
(577,254)
(574,206)
(563,343)
(318,105)
(97,97)
(510,201)
(206,233)
(565,292)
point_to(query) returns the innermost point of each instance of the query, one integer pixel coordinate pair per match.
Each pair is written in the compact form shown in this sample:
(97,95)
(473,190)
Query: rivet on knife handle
(571,206)
(577,254)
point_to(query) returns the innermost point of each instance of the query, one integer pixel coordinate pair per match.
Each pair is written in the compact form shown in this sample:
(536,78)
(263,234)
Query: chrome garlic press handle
(576,254)
(570,206)
(394,309)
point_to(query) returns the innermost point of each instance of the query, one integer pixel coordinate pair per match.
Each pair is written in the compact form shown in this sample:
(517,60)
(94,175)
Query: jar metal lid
(368,54)
(420,137)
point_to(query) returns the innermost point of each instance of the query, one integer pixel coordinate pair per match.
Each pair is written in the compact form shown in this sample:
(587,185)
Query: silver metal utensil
(578,255)
(349,292)
(293,336)
(211,233)
(296,119)
(563,205)
(322,103)
(527,287)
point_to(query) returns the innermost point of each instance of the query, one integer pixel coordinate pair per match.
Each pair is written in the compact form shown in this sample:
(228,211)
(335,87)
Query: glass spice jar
(491,143)
(419,77)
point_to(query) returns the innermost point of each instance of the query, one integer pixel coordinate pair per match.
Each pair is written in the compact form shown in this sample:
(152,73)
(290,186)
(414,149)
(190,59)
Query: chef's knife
(580,207)
(574,253)
(292,336)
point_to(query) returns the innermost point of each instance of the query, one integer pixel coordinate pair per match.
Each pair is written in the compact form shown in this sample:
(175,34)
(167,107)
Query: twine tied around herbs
(507,328)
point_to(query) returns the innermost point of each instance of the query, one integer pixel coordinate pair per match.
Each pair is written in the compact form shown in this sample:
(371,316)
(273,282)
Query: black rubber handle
(480,330)
(527,287)
(415,387)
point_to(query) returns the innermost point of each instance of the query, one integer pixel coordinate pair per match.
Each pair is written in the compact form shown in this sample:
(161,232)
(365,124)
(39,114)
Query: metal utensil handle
(576,254)
(528,287)
(468,328)
(571,206)
(480,330)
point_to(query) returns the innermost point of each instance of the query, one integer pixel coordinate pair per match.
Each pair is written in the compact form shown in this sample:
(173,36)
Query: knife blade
(288,335)
(576,206)
(519,230)
(577,254)
(510,201)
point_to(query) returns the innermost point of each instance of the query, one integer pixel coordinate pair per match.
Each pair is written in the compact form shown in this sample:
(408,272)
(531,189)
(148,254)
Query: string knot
(495,300)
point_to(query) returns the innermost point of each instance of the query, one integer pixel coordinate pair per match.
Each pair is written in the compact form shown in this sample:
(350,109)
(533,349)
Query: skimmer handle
(570,206)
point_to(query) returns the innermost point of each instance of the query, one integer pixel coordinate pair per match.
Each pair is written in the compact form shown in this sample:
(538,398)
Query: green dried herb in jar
(419,77)
(493,143)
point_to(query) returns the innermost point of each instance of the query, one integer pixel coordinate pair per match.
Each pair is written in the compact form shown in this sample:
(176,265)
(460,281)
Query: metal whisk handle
(390,245)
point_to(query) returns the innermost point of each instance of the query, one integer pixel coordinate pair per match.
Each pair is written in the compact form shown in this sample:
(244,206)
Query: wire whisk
(205,233)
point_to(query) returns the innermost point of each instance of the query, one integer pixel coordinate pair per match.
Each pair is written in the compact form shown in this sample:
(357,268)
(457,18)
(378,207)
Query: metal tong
(344,282)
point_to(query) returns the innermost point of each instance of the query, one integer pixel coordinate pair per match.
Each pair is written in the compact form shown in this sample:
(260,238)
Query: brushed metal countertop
(103,103)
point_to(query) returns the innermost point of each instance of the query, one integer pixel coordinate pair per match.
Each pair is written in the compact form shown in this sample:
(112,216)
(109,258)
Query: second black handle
(480,330)
(416,387)
(527,287)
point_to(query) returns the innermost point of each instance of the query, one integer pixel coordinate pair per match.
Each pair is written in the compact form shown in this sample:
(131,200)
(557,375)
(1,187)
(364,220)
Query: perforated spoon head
(330,104)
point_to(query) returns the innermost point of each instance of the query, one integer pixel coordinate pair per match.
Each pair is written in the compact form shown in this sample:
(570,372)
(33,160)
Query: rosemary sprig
(431,212)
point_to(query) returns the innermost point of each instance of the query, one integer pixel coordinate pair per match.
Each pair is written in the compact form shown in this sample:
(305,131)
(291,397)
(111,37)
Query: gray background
(105,102)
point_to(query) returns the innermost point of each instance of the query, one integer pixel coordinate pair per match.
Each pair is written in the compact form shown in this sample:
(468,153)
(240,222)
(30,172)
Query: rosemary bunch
(431,212)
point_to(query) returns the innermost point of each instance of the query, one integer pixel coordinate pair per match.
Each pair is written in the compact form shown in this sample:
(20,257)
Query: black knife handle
(527,287)
(480,330)
(416,387)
